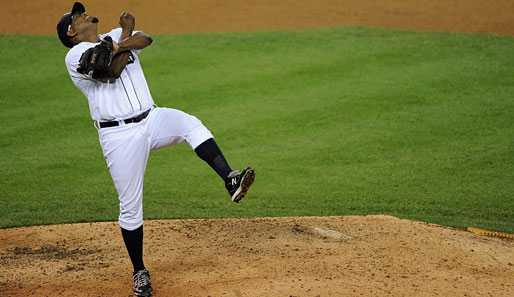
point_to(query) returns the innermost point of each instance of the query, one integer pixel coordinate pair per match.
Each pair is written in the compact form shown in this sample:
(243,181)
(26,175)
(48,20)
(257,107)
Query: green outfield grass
(345,121)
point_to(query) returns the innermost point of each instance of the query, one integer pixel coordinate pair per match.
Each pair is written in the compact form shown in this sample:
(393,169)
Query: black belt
(135,119)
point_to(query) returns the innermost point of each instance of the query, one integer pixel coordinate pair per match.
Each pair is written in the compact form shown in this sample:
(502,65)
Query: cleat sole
(246,181)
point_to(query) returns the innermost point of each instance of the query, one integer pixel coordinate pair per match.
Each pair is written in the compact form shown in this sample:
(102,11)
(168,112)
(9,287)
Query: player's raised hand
(127,22)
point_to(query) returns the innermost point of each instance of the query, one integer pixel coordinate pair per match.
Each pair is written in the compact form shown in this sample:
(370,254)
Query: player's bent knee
(198,135)
(130,223)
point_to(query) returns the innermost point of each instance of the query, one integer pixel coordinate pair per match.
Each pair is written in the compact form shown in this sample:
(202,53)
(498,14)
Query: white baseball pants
(126,149)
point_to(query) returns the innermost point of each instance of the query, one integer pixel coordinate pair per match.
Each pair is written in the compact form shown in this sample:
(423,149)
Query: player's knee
(130,221)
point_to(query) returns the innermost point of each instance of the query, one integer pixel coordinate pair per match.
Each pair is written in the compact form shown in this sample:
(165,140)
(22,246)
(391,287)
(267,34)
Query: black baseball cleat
(142,284)
(238,184)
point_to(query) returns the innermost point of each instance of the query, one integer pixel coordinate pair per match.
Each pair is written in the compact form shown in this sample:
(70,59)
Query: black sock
(211,153)
(134,243)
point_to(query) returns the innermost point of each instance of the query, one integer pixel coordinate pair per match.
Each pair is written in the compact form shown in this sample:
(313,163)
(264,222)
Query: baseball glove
(97,58)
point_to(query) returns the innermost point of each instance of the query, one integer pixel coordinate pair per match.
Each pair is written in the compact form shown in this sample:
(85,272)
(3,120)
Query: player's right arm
(122,50)
(129,41)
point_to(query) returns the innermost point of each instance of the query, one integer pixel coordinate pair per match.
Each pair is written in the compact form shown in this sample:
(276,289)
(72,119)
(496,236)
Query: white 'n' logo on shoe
(234,180)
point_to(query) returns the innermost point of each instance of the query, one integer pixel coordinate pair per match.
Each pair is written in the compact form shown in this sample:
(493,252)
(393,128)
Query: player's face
(82,22)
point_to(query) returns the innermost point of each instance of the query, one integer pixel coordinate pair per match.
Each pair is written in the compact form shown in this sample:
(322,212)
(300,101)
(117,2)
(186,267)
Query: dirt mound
(303,256)
(174,16)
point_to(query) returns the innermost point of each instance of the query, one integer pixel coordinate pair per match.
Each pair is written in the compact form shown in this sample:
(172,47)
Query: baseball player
(129,123)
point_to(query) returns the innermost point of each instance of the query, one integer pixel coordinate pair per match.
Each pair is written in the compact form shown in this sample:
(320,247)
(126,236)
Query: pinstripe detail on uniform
(135,92)
(128,97)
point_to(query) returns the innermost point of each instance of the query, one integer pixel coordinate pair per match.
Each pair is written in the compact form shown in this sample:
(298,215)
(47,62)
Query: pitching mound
(305,256)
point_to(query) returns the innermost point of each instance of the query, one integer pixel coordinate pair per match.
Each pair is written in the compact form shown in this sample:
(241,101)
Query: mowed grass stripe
(336,122)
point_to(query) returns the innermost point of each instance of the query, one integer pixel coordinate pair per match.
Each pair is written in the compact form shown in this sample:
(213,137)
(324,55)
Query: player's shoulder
(75,52)
(115,34)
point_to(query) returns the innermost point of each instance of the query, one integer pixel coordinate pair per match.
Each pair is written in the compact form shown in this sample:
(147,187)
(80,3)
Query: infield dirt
(307,256)
(175,16)
(302,256)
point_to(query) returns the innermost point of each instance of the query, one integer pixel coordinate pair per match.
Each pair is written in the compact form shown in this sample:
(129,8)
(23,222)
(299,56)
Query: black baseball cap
(65,22)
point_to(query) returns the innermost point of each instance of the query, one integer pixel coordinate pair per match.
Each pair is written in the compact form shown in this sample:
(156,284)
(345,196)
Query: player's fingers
(128,15)
(122,17)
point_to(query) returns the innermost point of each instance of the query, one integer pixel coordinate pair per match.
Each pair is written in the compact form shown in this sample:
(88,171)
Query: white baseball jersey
(123,98)
(126,146)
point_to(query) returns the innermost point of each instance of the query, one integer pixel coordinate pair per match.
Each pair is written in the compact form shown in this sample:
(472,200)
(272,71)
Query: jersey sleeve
(115,34)
(72,62)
